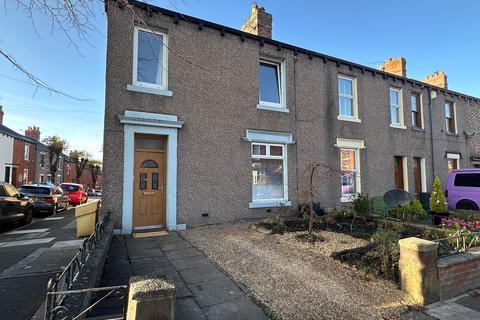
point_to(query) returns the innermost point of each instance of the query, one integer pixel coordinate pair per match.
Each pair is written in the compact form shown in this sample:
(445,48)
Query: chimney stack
(1,115)
(437,79)
(396,66)
(259,23)
(33,132)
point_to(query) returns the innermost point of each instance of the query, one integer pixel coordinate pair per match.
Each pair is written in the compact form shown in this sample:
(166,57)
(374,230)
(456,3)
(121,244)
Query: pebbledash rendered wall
(213,76)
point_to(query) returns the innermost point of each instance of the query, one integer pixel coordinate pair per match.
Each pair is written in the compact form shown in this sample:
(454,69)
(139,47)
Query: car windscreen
(69,187)
(34,190)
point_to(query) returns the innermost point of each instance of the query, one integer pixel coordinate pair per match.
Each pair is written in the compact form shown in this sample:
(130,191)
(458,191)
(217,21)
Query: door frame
(154,124)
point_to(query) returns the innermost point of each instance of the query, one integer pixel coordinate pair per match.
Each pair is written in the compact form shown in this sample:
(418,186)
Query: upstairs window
(42,161)
(396,107)
(271,85)
(26,152)
(450,117)
(150,58)
(416,111)
(347,100)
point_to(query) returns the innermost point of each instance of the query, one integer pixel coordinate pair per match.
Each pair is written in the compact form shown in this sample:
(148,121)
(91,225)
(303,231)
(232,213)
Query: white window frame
(270,106)
(258,203)
(356,145)
(420,108)
(454,109)
(26,152)
(25,176)
(405,173)
(423,173)
(454,156)
(354,97)
(164,84)
(40,178)
(401,124)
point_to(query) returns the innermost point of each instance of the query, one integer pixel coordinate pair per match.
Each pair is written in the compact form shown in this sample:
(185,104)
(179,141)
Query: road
(29,256)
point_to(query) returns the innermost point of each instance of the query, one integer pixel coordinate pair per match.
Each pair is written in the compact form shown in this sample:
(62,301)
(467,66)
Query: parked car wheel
(28,216)
(467,205)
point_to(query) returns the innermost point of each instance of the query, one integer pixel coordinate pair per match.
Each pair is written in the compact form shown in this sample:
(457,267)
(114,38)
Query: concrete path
(29,256)
(203,290)
(464,307)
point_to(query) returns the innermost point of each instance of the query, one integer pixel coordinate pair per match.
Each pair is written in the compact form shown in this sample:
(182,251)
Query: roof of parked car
(71,184)
(50,186)
(466,170)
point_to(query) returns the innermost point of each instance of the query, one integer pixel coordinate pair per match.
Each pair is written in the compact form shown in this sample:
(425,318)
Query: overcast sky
(431,35)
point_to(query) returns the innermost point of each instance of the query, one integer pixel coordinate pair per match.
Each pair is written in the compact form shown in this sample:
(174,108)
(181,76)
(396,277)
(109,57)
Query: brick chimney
(1,115)
(396,66)
(438,79)
(33,132)
(259,23)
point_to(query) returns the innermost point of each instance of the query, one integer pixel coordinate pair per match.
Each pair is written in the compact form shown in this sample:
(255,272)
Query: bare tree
(80,158)
(95,170)
(56,146)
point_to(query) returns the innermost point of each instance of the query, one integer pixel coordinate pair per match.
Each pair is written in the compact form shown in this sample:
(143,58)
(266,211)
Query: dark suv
(14,206)
(47,198)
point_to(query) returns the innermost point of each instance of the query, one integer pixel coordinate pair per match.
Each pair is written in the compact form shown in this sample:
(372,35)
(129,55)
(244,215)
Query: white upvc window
(396,108)
(150,64)
(40,178)
(347,99)
(269,172)
(350,178)
(271,83)
(417,110)
(453,161)
(26,152)
(25,176)
(450,117)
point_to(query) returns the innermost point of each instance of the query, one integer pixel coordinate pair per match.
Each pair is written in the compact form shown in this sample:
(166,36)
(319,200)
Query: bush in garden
(438,203)
(387,250)
(275,224)
(362,207)
(414,210)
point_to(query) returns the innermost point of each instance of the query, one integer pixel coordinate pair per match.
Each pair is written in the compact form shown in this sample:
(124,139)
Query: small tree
(362,208)
(56,146)
(438,203)
(80,157)
(95,170)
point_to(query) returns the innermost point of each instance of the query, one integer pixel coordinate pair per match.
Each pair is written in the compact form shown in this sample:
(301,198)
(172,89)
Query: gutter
(431,130)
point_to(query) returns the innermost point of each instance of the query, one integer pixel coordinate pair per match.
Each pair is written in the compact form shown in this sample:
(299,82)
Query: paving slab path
(204,291)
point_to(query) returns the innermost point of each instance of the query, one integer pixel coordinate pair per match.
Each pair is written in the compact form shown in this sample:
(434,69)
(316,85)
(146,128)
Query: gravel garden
(329,264)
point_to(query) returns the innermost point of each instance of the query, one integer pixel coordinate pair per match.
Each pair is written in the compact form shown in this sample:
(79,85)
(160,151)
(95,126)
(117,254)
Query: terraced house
(205,123)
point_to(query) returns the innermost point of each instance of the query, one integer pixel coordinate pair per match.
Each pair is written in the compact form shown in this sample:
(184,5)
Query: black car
(14,206)
(47,198)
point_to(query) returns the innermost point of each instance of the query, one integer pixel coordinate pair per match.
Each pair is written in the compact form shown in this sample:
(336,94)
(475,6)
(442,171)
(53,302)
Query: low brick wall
(458,273)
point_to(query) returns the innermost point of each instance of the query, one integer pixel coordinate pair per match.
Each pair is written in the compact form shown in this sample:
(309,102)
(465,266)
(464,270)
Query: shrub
(305,238)
(387,250)
(275,224)
(467,215)
(438,203)
(362,206)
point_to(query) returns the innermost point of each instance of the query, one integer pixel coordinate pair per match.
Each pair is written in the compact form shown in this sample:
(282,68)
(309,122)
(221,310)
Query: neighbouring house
(42,166)
(205,123)
(22,152)
(7,168)
(70,173)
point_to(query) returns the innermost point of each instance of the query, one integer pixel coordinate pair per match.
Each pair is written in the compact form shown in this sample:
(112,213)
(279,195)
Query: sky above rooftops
(431,35)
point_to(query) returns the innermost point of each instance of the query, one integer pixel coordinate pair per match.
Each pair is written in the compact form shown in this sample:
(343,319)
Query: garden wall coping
(446,261)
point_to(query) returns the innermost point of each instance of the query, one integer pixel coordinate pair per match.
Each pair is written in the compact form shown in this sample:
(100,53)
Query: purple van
(462,189)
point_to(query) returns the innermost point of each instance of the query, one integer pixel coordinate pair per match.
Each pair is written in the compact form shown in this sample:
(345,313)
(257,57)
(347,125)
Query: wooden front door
(149,189)
(398,170)
(417,173)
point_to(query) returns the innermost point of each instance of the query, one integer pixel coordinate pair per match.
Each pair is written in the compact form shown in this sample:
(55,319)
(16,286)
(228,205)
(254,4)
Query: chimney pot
(33,132)
(396,66)
(259,23)
(437,79)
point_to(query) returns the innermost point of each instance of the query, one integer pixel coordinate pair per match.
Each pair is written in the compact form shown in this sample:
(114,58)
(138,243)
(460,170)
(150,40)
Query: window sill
(159,92)
(342,118)
(269,204)
(272,108)
(418,129)
(397,126)
(451,134)
(346,199)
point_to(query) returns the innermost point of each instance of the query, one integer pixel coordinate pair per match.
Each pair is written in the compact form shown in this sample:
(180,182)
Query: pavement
(463,307)
(204,291)
(30,256)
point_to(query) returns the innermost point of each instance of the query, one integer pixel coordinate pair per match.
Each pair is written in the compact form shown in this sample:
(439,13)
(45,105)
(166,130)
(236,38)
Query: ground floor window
(25,176)
(349,168)
(453,161)
(40,178)
(268,172)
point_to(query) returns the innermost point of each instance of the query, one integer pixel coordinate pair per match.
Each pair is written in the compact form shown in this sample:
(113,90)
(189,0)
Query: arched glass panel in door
(149,164)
